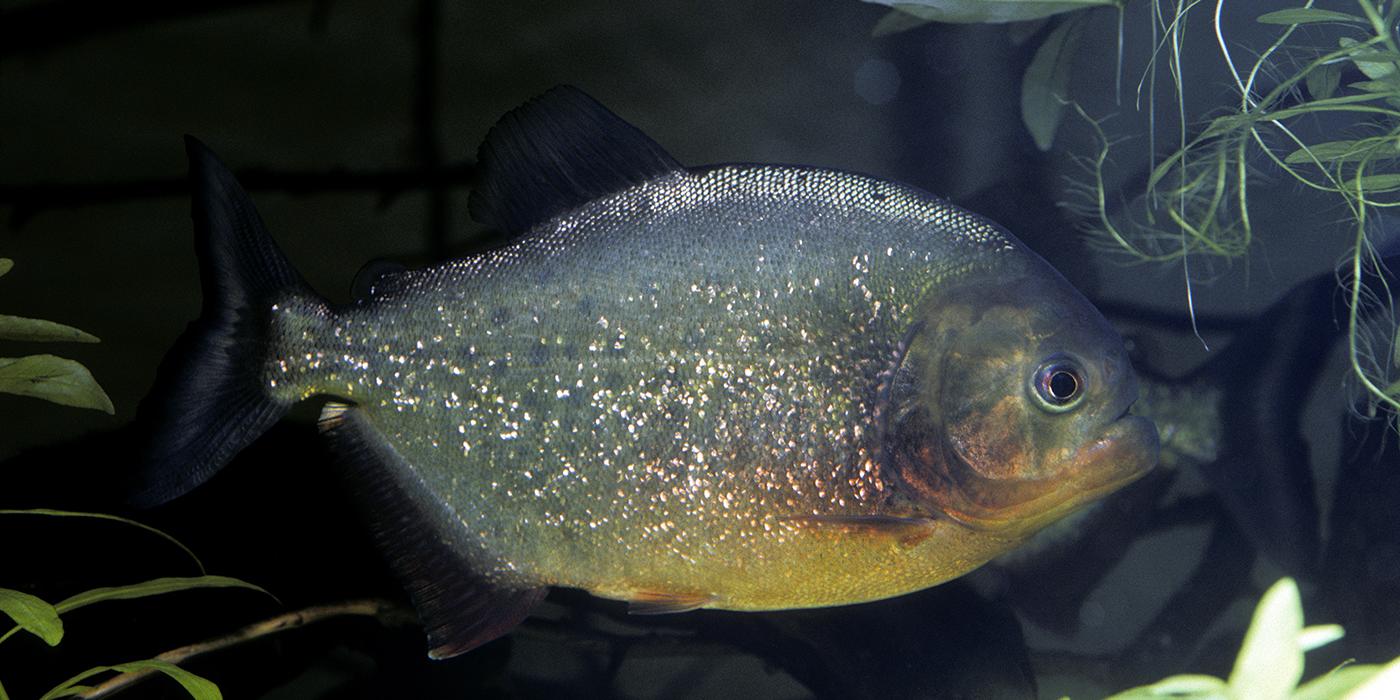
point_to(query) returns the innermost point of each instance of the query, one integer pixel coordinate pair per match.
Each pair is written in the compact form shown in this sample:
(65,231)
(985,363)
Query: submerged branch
(426,120)
(390,183)
(386,612)
(40,26)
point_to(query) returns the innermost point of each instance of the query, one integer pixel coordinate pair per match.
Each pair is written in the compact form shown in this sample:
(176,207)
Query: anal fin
(459,608)
(666,602)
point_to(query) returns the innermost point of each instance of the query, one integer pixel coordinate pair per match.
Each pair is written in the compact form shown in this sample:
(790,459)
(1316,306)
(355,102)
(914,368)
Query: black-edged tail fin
(460,608)
(208,401)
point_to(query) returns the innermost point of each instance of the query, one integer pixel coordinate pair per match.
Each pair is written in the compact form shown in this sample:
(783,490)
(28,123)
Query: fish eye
(1058,384)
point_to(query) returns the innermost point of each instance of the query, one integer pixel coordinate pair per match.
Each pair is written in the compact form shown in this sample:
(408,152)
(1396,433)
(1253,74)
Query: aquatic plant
(1196,200)
(40,618)
(48,377)
(68,382)
(1195,204)
(1270,662)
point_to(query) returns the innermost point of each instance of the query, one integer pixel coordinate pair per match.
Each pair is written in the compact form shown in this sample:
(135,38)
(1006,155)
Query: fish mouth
(1124,452)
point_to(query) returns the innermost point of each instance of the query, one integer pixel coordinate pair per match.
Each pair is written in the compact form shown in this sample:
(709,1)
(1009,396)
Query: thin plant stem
(385,611)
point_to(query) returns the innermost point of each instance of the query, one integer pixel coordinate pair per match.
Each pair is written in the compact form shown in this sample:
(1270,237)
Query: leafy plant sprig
(1270,663)
(44,620)
(1201,190)
(48,377)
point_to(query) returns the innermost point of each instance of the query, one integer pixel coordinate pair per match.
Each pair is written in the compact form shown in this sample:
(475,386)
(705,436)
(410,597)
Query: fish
(740,387)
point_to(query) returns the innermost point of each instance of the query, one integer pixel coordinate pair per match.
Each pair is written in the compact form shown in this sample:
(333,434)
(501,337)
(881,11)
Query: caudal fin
(209,400)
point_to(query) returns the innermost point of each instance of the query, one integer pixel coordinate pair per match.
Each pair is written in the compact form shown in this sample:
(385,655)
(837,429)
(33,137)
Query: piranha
(744,387)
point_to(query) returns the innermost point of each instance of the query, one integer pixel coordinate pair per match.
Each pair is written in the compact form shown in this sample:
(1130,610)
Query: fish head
(1014,406)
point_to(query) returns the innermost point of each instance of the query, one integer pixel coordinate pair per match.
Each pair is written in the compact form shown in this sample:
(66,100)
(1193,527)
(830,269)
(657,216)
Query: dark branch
(425,123)
(37,26)
(388,614)
(29,200)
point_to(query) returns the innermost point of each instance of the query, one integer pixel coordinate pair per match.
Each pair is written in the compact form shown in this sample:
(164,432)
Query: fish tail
(213,395)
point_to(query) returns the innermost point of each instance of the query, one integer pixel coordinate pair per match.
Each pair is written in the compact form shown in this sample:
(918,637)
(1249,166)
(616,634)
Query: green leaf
(32,615)
(55,379)
(1185,687)
(1376,56)
(1385,182)
(6,265)
(1045,86)
(37,330)
(198,687)
(896,21)
(1395,356)
(971,11)
(1393,391)
(1319,636)
(1226,124)
(1375,64)
(1384,684)
(1270,662)
(1335,684)
(159,586)
(49,512)
(1376,85)
(1307,15)
(1322,81)
(1333,152)
(144,589)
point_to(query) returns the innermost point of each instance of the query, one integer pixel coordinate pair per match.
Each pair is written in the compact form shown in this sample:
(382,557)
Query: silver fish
(739,387)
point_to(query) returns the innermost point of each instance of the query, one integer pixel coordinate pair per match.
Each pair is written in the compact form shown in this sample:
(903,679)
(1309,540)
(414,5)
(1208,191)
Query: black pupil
(1063,385)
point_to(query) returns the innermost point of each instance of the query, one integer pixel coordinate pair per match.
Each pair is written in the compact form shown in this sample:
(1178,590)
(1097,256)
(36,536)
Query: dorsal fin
(555,153)
(372,275)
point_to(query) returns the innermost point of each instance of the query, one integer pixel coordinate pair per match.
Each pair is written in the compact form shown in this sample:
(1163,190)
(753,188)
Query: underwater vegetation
(68,383)
(1270,662)
(47,377)
(1197,199)
(1316,107)
(36,616)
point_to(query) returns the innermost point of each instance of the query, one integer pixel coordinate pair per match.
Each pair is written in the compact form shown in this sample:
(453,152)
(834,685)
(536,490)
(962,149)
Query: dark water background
(354,125)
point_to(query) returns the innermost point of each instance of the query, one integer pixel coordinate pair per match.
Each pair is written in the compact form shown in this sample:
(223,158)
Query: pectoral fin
(460,609)
(907,530)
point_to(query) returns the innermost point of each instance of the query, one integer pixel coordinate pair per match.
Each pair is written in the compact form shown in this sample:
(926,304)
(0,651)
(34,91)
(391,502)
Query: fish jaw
(1125,452)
